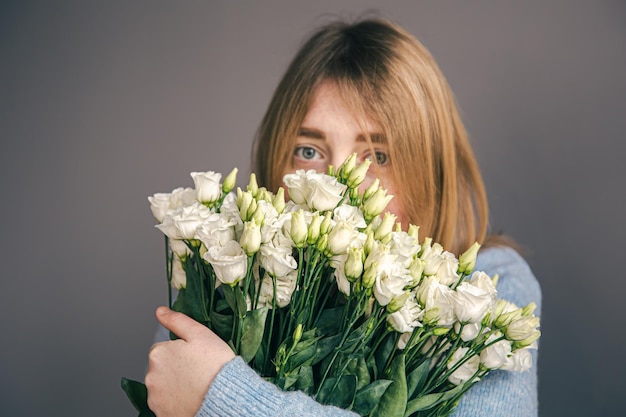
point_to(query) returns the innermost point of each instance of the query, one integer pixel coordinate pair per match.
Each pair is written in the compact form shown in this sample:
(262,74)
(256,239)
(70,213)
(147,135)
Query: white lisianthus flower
(229,262)
(432,256)
(183,222)
(317,191)
(285,286)
(447,271)
(471,303)
(341,236)
(407,317)
(390,282)
(179,248)
(519,361)
(404,246)
(208,187)
(403,340)
(159,205)
(343,284)
(496,355)
(469,331)
(351,215)
(483,281)
(435,298)
(277,260)
(466,371)
(217,230)
(162,203)
(179,278)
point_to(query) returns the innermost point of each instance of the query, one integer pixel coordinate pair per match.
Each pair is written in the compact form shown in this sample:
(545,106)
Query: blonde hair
(383,72)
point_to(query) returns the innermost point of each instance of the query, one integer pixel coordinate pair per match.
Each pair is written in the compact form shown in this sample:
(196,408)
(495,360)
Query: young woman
(373,89)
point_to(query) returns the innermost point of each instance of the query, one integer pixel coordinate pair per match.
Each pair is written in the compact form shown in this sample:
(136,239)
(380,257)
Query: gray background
(104,104)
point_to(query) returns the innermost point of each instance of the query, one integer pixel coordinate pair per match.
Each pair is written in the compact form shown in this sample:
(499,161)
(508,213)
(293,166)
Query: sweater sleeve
(503,393)
(238,391)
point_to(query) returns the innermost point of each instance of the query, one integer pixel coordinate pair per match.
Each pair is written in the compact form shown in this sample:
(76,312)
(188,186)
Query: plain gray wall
(105,103)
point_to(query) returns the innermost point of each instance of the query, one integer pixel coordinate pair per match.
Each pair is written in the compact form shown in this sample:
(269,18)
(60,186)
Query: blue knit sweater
(237,391)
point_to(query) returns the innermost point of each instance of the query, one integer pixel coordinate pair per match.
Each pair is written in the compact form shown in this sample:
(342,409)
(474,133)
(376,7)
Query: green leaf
(303,354)
(358,367)
(305,382)
(329,320)
(252,333)
(194,301)
(221,324)
(229,296)
(417,378)
(339,392)
(384,351)
(428,401)
(393,401)
(366,399)
(326,346)
(138,396)
(240,298)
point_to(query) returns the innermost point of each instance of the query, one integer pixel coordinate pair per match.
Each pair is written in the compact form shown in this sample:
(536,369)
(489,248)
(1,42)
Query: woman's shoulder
(516,281)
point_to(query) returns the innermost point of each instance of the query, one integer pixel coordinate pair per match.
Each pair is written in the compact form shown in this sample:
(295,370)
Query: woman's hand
(181,371)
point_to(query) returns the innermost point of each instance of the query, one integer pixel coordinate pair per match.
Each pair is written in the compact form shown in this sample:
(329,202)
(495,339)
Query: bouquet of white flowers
(327,295)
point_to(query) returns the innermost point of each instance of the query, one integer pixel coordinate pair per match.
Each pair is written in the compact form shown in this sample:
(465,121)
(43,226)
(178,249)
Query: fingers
(181,325)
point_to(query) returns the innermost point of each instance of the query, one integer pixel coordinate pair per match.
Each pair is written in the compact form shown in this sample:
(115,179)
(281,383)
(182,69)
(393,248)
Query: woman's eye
(381,158)
(305,152)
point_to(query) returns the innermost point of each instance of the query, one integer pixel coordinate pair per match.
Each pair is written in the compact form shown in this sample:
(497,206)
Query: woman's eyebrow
(311,133)
(374,137)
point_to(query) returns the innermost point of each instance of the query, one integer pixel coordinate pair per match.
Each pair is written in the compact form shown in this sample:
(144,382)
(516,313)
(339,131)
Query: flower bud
(297,334)
(370,242)
(385,227)
(522,328)
(354,264)
(529,309)
(250,240)
(369,277)
(495,280)
(298,229)
(467,261)
(398,302)
(358,174)
(314,228)
(322,243)
(440,331)
(371,189)
(325,226)
(416,269)
(263,195)
(253,186)
(529,340)
(279,200)
(376,204)
(346,168)
(505,319)
(414,232)
(251,210)
(229,182)
(244,199)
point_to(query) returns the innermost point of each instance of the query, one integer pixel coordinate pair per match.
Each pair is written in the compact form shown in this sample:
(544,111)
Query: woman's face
(330,133)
